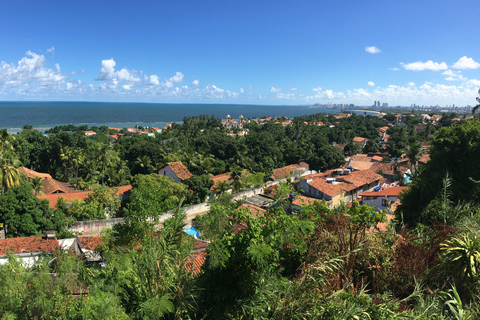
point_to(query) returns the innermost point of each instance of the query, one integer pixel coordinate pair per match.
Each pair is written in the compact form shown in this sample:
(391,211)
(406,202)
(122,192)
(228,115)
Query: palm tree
(66,157)
(77,159)
(145,162)
(9,174)
(396,168)
(37,186)
(413,153)
(106,157)
(222,186)
(5,142)
(237,178)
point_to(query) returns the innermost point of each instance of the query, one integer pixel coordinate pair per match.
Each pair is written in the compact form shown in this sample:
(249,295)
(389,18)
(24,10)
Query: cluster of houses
(366,178)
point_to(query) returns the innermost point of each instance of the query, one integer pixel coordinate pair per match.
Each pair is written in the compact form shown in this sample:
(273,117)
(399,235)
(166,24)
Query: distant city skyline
(250,52)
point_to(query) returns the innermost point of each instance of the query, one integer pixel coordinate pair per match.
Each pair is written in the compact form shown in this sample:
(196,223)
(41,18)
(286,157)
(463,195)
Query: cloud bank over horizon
(32,79)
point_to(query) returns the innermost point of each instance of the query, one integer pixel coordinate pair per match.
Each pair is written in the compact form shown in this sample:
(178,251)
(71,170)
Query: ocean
(44,115)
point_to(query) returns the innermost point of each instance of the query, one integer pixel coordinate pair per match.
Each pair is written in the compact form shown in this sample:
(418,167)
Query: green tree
(200,187)
(23,214)
(101,203)
(237,176)
(151,196)
(9,174)
(454,150)
(37,185)
(413,153)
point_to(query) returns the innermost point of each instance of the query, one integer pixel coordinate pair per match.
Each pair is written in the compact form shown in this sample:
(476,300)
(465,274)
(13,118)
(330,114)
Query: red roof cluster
(77,195)
(282,172)
(27,245)
(91,243)
(49,184)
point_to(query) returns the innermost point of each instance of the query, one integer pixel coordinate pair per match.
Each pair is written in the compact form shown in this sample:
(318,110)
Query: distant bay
(44,115)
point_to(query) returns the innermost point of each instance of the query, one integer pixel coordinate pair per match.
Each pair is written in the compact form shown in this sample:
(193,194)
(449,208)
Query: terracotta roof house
(175,170)
(360,165)
(365,179)
(386,169)
(123,192)
(339,146)
(225,177)
(320,189)
(195,261)
(435,118)
(49,184)
(345,187)
(360,141)
(293,170)
(28,249)
(383,198)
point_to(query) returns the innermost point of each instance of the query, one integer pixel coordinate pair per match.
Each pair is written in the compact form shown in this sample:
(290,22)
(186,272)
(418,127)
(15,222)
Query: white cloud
(317,89)
(473,83)
(372,50)
(466,63)
(371,83)
(52,51)
(394,69)
(31,72)
(107,70)
(195,82)
(154,80)
(428,65)
(127,75)
(242,90)
(177,78)
(293,89)
(411,84)
(275,90)
(453,75)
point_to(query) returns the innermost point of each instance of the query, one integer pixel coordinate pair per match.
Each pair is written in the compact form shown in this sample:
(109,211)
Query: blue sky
(255,52)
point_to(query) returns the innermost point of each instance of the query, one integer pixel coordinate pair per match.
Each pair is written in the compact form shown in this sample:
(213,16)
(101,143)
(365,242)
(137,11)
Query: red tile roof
(303,200)
(77,195)
(360,178)
(200,245)
(91,243)
(220,177)
(386,168)
(282,172)
(49,184)
(195,262)
(361,165)
(377,158)
(361,157)
(358,139)
(27,245)
(329,189)
(387,192)
(180,170)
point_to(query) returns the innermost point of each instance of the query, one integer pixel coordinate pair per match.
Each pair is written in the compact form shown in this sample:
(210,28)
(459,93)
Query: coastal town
(216,179)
